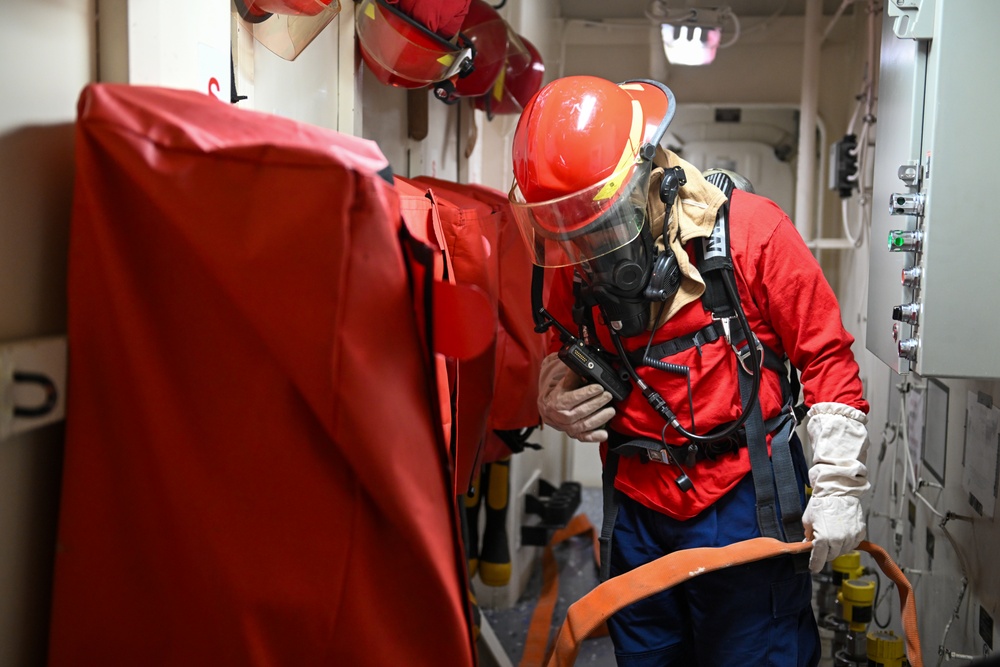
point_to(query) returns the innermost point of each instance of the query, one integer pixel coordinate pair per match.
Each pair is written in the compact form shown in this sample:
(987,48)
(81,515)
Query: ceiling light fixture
(692,35)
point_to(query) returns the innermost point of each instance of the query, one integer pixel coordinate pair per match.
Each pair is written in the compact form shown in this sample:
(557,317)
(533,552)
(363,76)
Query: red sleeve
(797,300)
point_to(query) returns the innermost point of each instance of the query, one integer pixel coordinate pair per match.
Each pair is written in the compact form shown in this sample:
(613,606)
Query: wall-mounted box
(934,302)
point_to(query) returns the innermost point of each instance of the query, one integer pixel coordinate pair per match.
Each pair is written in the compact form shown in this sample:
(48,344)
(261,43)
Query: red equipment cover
(519,348)
(469,232)
(254,472)
(424,224)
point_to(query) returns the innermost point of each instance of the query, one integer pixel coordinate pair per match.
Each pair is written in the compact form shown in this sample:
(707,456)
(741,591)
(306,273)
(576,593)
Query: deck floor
(577,576)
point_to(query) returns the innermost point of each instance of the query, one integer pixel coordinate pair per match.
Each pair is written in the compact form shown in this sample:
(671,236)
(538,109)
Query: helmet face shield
(582,226)
(287,27)
(401,52)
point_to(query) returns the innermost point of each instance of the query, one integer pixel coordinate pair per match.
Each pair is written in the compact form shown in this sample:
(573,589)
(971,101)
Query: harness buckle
(658,455)
(725,330)
(744,353)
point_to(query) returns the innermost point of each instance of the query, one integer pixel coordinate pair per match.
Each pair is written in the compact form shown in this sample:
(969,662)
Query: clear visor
(587,224)
(406,50)
(286,35)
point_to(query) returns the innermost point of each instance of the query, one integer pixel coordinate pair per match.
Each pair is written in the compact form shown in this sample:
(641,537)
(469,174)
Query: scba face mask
(602,230)
(583,155)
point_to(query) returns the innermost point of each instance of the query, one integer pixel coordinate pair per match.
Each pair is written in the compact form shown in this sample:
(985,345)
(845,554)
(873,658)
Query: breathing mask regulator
(622,282)
(602,228)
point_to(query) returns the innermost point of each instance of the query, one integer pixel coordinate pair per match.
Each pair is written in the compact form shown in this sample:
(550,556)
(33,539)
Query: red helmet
(520,79)
(256,11)
(444,17)
(582,154)
(402,52)
(487,31)
(286,27)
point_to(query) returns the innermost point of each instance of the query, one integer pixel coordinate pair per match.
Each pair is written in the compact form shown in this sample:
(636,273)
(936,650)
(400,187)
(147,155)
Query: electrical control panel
(934,284)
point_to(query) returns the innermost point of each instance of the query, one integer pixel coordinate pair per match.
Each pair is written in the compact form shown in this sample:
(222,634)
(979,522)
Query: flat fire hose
(592,610)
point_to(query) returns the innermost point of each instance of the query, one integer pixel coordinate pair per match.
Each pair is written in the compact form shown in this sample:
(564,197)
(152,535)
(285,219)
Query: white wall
(48,55)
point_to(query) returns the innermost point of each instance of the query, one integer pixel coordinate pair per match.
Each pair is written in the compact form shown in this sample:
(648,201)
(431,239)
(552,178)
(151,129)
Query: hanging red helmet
(400,51)
(582,155)
(286,27)
(256,11)
(444,17)
(487,32)
(520,79)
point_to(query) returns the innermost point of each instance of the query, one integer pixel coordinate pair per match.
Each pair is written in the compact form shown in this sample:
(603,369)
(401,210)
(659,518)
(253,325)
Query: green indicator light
(898,240)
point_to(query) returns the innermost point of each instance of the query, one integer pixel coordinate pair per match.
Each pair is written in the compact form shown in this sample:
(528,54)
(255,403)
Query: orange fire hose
(592,610)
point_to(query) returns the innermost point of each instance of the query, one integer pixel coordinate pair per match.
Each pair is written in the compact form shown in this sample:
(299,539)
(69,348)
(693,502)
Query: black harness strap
(709,334)
(775,483)
(760,467)
(714,255)
(611,503)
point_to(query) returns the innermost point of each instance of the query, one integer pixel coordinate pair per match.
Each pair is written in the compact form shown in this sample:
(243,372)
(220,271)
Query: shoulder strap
(714,255)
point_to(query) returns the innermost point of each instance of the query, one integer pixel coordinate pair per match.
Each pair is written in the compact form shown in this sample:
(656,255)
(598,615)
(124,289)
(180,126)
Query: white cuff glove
(834,519)
(567,403)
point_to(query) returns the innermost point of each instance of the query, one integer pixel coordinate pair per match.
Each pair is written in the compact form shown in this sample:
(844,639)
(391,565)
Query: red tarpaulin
(254,467)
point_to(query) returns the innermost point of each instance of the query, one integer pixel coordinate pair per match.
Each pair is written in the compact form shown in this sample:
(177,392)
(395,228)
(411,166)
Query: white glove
(834,519)
(567,403)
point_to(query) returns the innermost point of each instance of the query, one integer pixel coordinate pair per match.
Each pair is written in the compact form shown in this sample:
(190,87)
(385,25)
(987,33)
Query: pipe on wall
(805,179)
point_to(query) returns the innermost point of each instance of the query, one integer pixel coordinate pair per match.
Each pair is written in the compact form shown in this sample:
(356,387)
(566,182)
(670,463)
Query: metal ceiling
(597,10)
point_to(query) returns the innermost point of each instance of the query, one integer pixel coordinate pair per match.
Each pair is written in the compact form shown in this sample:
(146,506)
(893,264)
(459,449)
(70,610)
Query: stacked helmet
(256,11)
(520,79)
(401,51)
(443,17)
(583,153)
(286,27)
(486,30)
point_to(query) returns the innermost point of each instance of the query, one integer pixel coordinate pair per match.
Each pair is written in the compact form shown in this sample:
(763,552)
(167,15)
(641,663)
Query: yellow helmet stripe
(498,85)
(628,155)
(629,152)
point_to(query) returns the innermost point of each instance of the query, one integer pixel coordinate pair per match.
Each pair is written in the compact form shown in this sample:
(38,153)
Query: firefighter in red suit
(628,229)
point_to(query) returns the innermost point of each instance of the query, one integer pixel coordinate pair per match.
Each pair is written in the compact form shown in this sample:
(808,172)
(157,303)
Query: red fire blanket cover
(254,468)
(519,349)
(469,232)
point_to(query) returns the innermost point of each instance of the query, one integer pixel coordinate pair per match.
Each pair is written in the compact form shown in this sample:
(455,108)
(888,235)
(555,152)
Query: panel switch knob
(908,349)
(902,240)
(908,312)
(911,277)
(906,203)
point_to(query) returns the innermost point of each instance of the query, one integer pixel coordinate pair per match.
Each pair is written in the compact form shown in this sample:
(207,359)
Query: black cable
(660,405)
(878,587)
(666,366)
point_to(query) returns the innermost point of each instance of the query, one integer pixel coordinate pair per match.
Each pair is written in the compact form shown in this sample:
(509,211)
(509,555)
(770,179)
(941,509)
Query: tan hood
(693,216)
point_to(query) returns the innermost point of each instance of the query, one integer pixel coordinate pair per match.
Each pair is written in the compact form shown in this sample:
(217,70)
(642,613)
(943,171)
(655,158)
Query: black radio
(587,362)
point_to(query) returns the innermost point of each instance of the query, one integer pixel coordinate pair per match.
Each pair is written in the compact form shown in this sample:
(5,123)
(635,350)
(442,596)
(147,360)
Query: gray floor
(578,575)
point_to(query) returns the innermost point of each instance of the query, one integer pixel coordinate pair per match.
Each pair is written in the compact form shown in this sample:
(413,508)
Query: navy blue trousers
(759,614)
